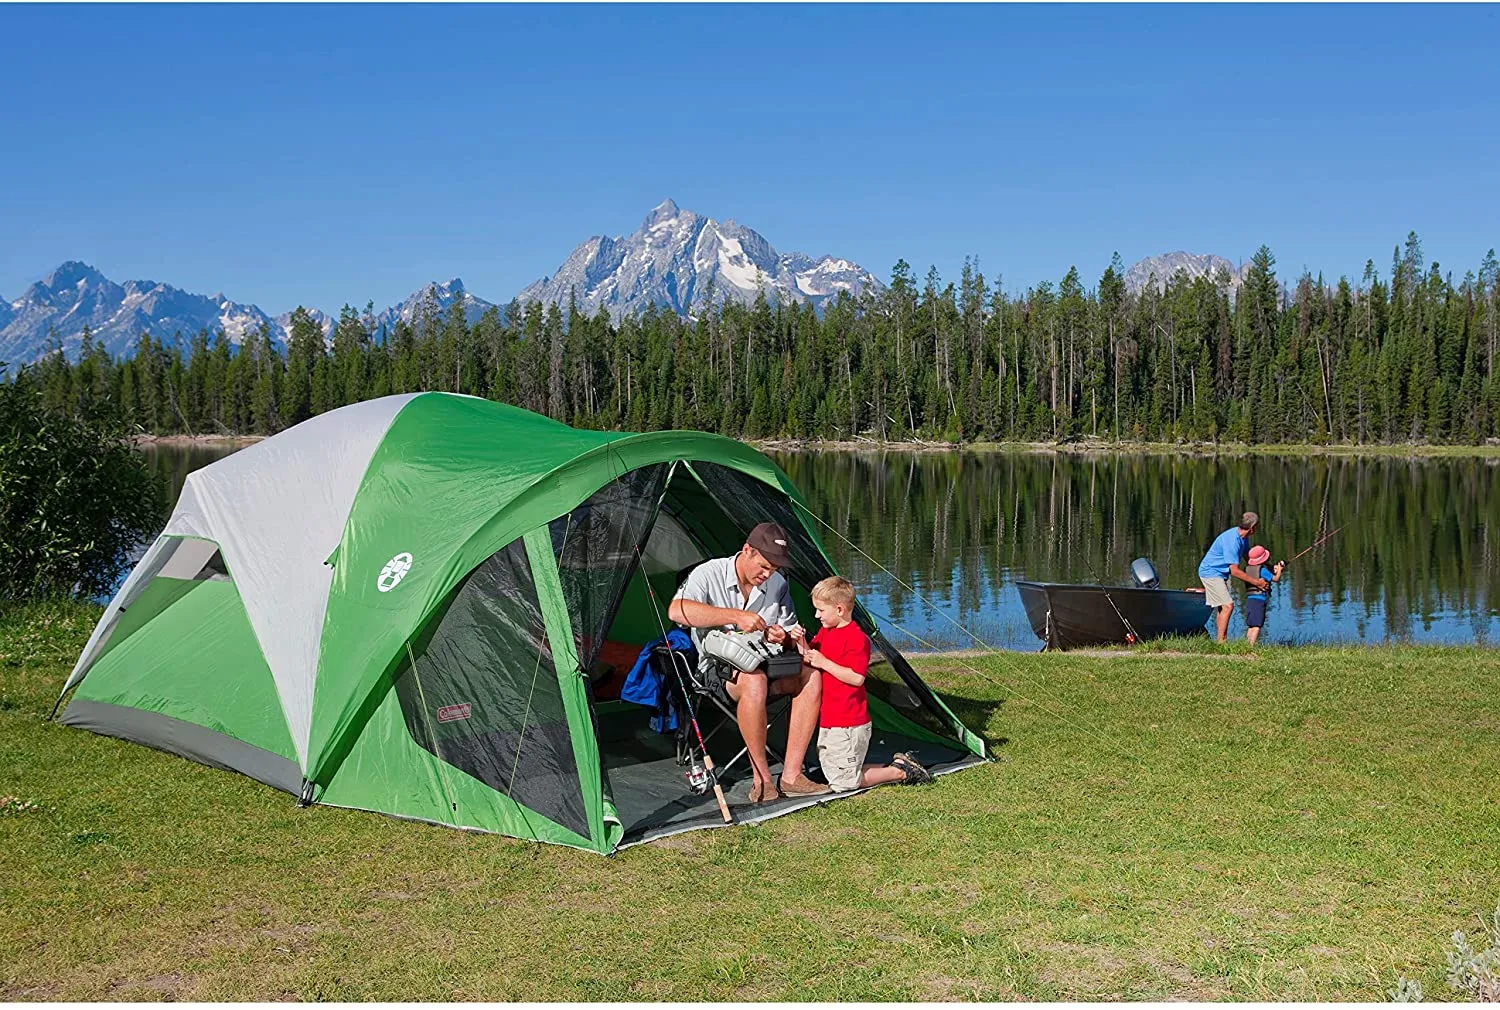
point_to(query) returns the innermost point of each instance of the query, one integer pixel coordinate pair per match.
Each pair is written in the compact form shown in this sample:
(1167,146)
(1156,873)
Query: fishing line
(1132,637)
(1322,525)
(1272,582)
(1085,727)
(979,641)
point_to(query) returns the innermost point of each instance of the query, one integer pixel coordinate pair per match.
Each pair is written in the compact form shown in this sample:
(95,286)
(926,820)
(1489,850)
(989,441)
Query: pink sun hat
(1259,555)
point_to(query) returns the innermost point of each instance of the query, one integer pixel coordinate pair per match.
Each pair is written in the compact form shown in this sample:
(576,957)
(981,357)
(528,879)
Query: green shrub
(74,499)
(1474,974)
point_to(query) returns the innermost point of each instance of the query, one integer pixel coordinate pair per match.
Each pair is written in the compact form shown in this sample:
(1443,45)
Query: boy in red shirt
(842,651)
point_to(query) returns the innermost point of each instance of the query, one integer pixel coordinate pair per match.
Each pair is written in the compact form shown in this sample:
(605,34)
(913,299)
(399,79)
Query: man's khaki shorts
(841,752)
(1215,591)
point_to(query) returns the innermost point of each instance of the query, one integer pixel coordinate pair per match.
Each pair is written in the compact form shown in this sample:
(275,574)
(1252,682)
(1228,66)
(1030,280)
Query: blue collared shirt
(1224,552)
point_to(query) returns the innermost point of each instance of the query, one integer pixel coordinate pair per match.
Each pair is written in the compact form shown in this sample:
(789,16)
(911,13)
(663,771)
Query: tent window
(213,570)
(483,693)
(595,546)
(748,502)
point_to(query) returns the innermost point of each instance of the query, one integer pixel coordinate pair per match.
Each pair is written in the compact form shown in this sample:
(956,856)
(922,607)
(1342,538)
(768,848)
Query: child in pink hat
(1255,603)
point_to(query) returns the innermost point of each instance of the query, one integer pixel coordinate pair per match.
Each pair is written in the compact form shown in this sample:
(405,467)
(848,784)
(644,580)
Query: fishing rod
(1130,636)
(709,777)
(1271,582)
(699,778)
(1316,543)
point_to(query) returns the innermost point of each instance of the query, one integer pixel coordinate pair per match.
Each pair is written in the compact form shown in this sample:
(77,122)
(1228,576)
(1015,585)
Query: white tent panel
(189,558)
(277,511)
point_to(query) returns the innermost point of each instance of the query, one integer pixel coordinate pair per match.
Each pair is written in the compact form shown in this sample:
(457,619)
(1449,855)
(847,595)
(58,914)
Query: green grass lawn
(1296,824)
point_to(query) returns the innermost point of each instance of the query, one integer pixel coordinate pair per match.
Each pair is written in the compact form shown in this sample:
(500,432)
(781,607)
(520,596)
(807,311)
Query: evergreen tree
(304,351)
(1411,357)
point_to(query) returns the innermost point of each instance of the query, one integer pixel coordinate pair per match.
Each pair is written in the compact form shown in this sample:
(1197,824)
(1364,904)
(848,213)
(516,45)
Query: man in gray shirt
(747,592)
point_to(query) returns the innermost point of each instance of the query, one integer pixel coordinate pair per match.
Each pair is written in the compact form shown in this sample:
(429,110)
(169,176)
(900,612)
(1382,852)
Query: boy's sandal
(916,774)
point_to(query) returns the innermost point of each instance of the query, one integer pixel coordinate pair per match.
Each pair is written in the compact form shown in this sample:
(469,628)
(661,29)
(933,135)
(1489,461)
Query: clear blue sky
(323,155)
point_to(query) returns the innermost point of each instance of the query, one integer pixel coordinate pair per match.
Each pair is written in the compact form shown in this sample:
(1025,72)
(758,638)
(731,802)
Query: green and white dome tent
(397,606)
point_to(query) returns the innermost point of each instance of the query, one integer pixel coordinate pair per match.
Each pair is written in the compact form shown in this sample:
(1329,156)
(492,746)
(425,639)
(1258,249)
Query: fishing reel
(699,779)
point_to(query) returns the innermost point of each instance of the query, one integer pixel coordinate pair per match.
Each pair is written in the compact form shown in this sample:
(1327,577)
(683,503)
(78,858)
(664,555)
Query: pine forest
(1405,357)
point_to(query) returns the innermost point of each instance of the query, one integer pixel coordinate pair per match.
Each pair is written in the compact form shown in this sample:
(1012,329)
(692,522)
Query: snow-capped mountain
(678,257)
(281,326)
(76,295)
(443,296)
(1164,267)
(675,260)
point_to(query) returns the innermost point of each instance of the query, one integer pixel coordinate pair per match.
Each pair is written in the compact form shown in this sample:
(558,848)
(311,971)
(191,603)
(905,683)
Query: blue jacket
(649,685)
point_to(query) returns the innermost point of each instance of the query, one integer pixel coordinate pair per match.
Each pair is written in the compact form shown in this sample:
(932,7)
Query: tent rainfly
(401,606)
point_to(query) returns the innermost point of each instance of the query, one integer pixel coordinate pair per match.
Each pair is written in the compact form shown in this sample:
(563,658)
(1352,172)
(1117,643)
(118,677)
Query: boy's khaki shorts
(841,752)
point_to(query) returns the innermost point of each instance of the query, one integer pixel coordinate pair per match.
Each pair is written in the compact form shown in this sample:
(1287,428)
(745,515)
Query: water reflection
(1414,560)
(173,462)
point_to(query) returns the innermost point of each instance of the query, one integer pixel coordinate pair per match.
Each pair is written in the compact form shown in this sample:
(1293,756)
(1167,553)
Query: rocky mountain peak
(674,261)
(665,211)
(1159,270)
(70,275)
(678,257)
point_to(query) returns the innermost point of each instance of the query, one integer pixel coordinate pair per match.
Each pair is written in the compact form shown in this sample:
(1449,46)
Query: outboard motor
(1143,574)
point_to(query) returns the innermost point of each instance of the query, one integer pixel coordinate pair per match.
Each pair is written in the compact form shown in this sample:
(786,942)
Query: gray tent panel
(191,741)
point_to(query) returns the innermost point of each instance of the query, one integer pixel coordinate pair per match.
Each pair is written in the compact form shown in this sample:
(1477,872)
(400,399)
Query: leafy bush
(74,499)
(1408,990)
(1475,974)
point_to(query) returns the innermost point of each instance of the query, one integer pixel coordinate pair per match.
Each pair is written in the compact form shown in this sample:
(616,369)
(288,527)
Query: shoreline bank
(175,441)
(1102,447)
(1082,447)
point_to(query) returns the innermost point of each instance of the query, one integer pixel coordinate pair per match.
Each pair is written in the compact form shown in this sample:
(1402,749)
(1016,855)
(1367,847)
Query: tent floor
(651,794)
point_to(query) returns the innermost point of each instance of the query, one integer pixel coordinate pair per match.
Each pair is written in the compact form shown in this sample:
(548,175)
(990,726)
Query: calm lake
(1414,561)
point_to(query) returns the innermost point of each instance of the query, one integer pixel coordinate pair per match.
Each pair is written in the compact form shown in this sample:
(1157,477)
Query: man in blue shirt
(1223,561)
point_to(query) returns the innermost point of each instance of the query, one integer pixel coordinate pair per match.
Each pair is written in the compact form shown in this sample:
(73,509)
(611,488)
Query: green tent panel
(387,771)
(155,676)
(402,606)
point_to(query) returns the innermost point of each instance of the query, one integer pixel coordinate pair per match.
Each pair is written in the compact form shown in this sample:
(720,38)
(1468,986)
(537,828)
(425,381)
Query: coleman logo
(394,571)
(453,713)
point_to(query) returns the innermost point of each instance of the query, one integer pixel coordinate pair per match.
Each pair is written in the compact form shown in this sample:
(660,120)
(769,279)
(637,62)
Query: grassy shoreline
(1307,825)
